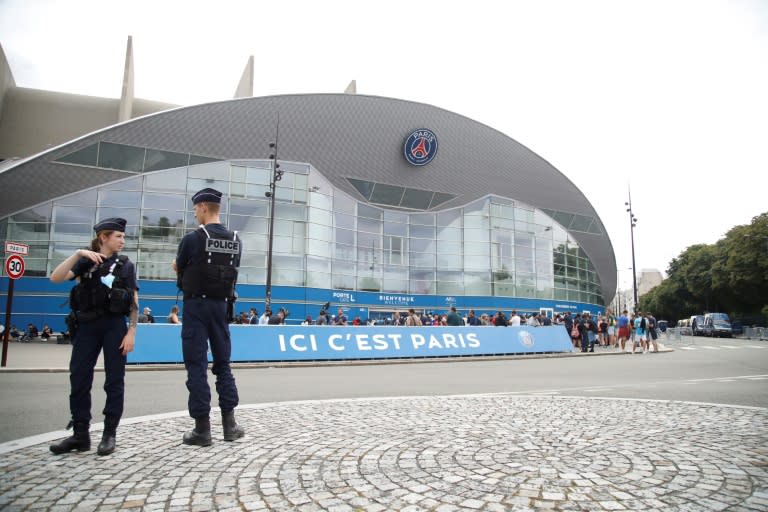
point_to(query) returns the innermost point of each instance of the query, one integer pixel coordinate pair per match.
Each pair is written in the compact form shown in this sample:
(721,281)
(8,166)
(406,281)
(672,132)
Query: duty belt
(202,296)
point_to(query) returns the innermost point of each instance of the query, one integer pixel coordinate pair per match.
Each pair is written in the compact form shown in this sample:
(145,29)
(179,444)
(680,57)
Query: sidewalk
(496,452)
(40,357)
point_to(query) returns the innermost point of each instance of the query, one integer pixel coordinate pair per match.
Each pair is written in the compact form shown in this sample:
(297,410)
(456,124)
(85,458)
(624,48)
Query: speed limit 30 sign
(14,266)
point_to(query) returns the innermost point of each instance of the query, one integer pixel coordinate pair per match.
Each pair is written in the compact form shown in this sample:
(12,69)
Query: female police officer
(206,264)
(105,294)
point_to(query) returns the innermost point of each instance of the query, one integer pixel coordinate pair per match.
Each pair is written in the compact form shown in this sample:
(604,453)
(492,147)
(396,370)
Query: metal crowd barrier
(756,333)
(673,336)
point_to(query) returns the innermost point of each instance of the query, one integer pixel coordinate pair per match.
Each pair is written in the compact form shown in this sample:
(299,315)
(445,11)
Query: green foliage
(730,276)
(163,229)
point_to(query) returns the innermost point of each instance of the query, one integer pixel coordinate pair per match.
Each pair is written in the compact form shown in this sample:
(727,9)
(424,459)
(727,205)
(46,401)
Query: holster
(72,324)
(231,309)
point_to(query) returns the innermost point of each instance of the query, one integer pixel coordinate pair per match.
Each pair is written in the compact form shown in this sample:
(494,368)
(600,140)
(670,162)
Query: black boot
(232,430)
(80,439)
(108,438)
(201,434)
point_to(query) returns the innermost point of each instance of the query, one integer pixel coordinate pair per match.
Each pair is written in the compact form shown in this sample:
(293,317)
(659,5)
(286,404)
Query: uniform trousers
(103,333)
(205,319)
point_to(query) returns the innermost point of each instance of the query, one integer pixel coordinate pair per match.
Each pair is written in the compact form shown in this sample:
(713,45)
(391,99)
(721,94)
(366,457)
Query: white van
(717,324)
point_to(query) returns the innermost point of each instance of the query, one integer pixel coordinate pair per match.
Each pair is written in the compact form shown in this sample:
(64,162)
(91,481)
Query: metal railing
(756,333)
(673,336)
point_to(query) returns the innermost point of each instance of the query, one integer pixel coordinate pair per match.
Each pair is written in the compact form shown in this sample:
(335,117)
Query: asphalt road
(713,371)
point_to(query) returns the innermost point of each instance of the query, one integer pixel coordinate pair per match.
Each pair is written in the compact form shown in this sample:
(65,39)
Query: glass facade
(324,238)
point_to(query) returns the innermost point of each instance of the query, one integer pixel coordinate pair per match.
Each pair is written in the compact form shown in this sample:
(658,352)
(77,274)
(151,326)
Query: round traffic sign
(14,266)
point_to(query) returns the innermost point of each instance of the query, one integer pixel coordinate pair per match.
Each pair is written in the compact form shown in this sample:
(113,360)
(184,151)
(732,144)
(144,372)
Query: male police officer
(206,264)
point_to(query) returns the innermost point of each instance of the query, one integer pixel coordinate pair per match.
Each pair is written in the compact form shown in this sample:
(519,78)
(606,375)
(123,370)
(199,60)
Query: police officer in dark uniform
(206,265)
(105,294)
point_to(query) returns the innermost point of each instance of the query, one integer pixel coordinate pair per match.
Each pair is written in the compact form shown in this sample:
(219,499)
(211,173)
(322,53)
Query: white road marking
(731,378)
(718,347)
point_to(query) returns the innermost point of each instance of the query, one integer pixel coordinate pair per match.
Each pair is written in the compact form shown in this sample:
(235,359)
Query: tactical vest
(91,295)
(215,276)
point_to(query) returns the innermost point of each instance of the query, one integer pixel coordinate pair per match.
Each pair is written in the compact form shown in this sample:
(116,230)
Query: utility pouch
(120,300)
(219,281)
(77,297)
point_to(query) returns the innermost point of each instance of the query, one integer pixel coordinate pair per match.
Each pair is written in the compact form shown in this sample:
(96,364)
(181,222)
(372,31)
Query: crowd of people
(146,316)
(29,334)
(603,330)
(637,331)
(609,331)
(586,331)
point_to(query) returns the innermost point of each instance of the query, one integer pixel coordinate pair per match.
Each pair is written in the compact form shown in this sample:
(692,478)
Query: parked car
(697,325)
(717,324)
(662,324)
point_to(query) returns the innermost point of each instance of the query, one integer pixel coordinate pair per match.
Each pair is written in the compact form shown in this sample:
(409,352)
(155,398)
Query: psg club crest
(420,147)
(525,338)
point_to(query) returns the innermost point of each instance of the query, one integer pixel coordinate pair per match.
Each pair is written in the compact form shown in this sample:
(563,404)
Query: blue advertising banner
(161,343)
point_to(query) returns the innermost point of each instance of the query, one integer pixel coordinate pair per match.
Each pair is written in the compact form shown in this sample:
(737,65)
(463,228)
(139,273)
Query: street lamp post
(632,224)
(277,175)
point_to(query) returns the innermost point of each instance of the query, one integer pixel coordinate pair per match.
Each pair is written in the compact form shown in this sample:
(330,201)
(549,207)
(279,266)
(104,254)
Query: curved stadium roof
(345,137)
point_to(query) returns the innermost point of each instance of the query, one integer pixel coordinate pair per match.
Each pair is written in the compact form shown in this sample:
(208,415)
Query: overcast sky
(668,97)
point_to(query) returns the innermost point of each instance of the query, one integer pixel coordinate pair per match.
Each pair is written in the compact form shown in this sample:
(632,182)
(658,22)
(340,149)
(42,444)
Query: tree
(744,274)
(697,274)
(164,226)
(730,276)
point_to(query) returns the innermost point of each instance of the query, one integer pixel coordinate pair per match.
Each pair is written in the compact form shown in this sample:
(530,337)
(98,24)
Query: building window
(86,156)
(120,156)
(156,160)
(393,245)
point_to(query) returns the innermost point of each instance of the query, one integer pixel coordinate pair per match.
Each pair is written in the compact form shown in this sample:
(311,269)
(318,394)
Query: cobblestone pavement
(477,452)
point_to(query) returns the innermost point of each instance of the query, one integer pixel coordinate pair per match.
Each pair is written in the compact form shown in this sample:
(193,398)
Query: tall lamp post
(277,175)
(632,224)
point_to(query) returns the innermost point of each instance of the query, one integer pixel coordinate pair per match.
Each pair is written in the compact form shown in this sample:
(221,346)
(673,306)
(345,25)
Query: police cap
(207,195)
(111,224)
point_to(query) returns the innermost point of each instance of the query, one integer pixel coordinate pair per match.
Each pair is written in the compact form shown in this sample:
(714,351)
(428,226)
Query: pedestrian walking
(105,294)
(653,334)
(589,334)
(623,325)
(641,326)
(206,265)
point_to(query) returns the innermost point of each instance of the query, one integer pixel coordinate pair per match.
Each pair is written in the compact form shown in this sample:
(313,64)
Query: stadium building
(383,204)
